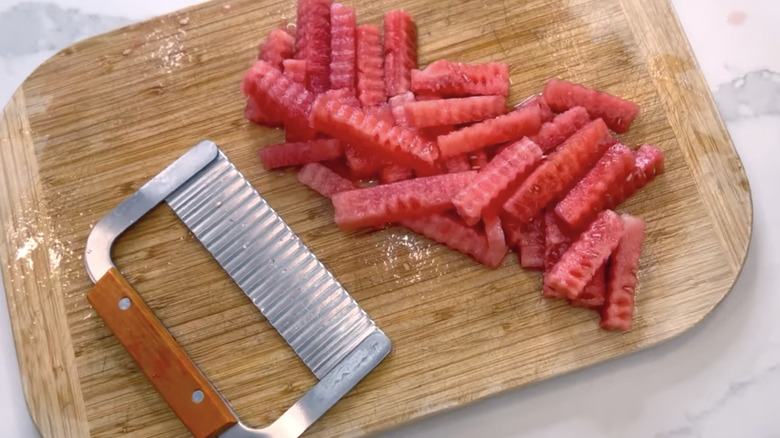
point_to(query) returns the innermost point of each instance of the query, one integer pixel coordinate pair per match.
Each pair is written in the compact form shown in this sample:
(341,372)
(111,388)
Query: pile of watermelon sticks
(438,151)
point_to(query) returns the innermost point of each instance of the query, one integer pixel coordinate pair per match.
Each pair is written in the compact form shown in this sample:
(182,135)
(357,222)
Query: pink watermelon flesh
(343,95)
(491,184)
(255,114)
(450,79)
(532,243)
(590,195)
(497,247)
(295,154)
(400,51)
(276,48)
(394,173)
(616,112)
(455,111)
(397,104)
(618,310)
(289,99)
(563,126)
(559,172)
(556,242)
(362,163)
(259,108)
(323,180)
(449,230)
(648,164)
(594,294)
(295,70)
(382,112)
(508,127)
(342,44)
(458,163)
(545,113)
(313,42)
(479,159)
(353,126)
(298,131)
(388,203)
(585,256)
(370,66)
(512,232)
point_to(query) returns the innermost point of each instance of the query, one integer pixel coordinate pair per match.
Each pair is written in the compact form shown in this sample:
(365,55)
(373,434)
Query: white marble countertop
(721,379)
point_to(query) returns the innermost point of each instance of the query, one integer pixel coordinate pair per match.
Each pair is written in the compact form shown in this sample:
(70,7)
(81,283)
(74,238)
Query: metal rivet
(124,303)
(197,396)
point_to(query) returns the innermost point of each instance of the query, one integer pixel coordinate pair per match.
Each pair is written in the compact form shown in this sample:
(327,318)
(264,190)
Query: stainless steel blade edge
(298,295)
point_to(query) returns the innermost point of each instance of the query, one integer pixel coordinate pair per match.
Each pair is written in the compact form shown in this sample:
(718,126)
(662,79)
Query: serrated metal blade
(298,295)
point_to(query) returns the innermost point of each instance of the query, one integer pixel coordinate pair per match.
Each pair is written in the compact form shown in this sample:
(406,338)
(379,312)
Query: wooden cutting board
(102,117)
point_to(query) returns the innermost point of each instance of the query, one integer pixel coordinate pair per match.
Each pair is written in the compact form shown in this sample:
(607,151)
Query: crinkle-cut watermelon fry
(532,243)
(563,126)
(454,111)
(342,57)
(295,154)
(449,230)
(557,174)
(295,70)
(323,180)
(449,79)
(648,164)
(495,178)
(590,195)
(556,242)
(254,113)
(313,42)
(301,32)
(277,47)
(618,310)
(594,294)
(616,112)
(400,51)
(370,66)
(388,203)
(291,100)
(259,108)
(497,247)
(585,256)
(353,126)
(508,127)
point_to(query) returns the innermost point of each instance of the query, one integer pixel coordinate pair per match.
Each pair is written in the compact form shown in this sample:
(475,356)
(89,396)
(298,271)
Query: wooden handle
(161,358)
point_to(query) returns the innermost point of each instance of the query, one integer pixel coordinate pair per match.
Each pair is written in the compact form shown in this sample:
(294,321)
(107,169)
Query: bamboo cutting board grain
(100,118)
